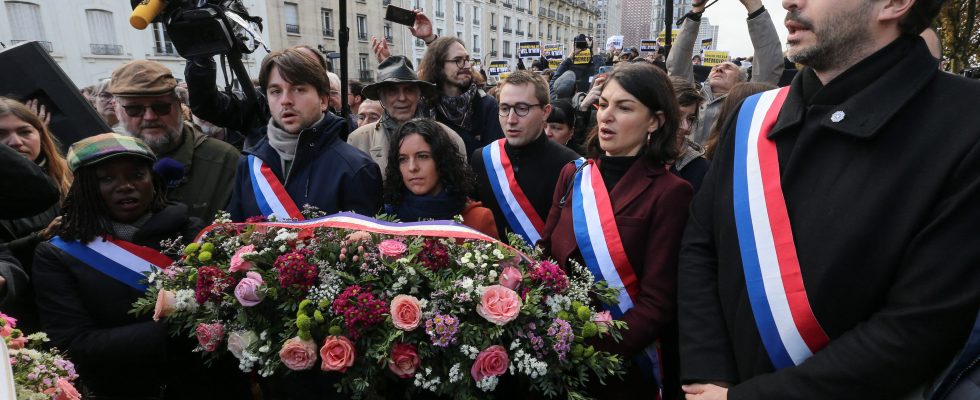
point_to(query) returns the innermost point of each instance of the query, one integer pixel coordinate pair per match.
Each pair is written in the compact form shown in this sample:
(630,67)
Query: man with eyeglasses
(517,175)
(147,108)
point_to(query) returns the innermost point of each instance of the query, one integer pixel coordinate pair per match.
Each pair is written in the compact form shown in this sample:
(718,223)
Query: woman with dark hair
(116,209)
(24,131)
(427,178)
(621,214)
(561,122)
(731,104)
(690,164)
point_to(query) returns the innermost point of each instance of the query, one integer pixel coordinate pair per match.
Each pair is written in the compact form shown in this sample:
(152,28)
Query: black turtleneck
(537,166)
(613,169)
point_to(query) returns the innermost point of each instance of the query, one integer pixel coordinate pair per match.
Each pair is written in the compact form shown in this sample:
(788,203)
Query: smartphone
(604,69)
(400,16)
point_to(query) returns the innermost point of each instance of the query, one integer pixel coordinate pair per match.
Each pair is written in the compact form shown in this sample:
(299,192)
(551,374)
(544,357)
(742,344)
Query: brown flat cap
(142,78)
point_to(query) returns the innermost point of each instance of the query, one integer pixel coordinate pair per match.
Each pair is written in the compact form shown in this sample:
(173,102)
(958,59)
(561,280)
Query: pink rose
(391,248)
(165,304)
(406,312)
(510,278)
(603,318)
(499,305)
(492,361)
(209,336)
(248,292)
(298,354)
(63,390)
(7,324)
(404,360)
(237,263)
(17,343)
(337,354)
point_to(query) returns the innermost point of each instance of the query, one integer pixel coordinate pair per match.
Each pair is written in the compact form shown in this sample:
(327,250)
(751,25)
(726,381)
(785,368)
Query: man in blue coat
(302,160)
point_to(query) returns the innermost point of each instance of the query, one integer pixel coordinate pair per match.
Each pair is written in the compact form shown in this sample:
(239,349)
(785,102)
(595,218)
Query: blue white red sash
(516,207)
(789,330)
(597,236)
(270,195)
(123,261)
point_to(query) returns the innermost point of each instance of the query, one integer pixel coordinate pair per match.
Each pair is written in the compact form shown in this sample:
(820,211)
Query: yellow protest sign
(583,57)
(714,57)
(673,36)
(553,64)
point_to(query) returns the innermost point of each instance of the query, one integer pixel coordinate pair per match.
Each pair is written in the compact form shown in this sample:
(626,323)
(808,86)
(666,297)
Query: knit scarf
(284,143)
(459,109)
(128,231)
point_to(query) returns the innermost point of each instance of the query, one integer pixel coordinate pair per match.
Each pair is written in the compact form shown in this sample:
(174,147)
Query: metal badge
(838,116)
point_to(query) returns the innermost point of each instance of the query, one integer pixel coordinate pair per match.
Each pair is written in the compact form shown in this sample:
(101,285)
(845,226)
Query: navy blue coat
(327,173)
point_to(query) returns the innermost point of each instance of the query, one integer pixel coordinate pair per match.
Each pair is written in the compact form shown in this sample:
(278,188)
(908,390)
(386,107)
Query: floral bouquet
(38,374)
(431,307)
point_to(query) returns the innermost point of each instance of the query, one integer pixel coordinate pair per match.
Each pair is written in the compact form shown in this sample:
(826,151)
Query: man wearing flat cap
(400,92)
(148,109)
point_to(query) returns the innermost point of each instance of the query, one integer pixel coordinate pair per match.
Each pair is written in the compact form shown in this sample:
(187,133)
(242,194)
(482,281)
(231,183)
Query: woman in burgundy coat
(624,184)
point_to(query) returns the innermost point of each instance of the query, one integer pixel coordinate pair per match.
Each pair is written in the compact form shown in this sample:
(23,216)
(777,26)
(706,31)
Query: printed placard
(529,49)
(714,57)
(648,45)
(498,67)
(554,52)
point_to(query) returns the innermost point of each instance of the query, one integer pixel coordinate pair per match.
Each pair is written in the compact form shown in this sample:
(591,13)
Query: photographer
(582,63)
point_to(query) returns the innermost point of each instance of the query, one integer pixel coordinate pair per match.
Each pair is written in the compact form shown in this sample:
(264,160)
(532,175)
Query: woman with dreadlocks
(86,279)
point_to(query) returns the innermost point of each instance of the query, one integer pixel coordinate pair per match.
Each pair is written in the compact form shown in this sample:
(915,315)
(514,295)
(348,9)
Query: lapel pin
(838,116)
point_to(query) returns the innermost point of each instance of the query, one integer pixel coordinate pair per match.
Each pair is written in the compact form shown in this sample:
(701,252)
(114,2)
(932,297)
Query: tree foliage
(960,33)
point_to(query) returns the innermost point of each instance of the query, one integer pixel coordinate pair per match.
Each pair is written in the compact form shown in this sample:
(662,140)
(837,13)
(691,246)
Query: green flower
(303,322)
(191,248)
(318,316)
(583,313)
(204,257)
(208,247)
(590,329)
(335,330)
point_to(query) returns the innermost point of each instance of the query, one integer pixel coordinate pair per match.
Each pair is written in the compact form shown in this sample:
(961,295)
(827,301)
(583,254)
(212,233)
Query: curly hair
(454,173)
(56,166)
(652,88)
(85,214)
(430,68)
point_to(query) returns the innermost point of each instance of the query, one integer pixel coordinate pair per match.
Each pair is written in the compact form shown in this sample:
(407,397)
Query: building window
(326,15)
(102,33)
(459,11)
(476,43)
(493,46)
(364,67)
(507,49)
(440,9)
(161,41)
(362,31)
(476,15)
(291,11)
(389,35)
(25,23)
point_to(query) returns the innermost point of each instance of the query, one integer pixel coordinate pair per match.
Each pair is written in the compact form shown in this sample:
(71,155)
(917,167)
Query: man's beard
(844,36)
(161,144)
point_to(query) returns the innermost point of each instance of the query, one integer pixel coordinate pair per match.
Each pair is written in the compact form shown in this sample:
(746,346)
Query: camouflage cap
(98,148)
(142,78)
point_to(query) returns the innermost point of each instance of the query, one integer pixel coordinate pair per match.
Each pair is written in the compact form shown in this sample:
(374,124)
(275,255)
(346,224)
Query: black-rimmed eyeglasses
(461,62)
(160,109)
(521,109)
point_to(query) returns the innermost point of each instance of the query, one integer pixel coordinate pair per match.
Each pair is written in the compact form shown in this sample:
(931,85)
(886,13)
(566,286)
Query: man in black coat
(877,156)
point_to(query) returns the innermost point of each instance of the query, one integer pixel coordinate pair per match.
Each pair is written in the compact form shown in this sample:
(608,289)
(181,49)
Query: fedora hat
(397,69)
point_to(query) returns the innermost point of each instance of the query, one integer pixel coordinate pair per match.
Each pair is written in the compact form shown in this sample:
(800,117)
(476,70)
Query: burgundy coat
(651,206)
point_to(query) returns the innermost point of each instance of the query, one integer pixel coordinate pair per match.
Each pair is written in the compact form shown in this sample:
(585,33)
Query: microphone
(146,12)
(172,171)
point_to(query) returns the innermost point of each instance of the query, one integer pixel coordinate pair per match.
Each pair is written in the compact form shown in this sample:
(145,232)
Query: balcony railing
(568,20)
(493,27)
(292,28)
(164,49)
(551,13)
(542,11)
(440,14)
(366,75)
(476,50)
(476,21)
(493,1)
(529,34)
(507,4)
(362,36)
(508,55)
(508,30)
(327,32)
(106,49)
(520,33)
(549,37)
(520,8)
(459,18)
(560,17)
(493,53)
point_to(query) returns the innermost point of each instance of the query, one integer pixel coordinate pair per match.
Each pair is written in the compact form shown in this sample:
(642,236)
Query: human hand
(704,391)
(51,229)
(423,27)
(40,110)
(380,49)
(592,96)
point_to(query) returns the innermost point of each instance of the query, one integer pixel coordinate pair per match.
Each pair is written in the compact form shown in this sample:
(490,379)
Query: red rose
(404,360)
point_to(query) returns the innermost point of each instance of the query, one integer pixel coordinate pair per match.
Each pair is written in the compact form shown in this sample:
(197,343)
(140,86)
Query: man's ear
(894,10)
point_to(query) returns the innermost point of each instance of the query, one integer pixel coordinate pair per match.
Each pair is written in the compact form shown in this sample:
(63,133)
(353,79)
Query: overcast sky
(733,33)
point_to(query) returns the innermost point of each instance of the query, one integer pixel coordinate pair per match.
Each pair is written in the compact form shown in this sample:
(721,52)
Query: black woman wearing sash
(87,278)
(621,214)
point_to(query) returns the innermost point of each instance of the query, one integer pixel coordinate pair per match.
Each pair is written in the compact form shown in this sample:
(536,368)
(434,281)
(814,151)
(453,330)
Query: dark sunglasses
(160,109)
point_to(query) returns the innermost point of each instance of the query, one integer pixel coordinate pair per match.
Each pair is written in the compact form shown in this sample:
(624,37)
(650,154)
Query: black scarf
(459,109)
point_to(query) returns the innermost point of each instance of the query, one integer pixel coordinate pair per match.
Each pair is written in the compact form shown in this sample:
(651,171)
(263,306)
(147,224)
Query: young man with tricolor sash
(516,175)
(302,160)
(832,250)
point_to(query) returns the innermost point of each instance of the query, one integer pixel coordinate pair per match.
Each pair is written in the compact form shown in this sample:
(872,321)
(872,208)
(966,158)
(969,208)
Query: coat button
(838,116)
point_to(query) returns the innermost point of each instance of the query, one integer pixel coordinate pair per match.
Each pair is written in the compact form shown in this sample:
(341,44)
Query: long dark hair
(56,166)
(85,215)
(454,173)
(652,88)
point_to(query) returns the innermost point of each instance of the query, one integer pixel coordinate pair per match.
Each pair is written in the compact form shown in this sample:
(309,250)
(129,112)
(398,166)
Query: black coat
(536,167)
(884,208)
(86,313)
(484,125)
(25,189)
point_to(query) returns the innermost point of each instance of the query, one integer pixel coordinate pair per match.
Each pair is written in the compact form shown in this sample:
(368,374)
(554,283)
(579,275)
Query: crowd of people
(814,241)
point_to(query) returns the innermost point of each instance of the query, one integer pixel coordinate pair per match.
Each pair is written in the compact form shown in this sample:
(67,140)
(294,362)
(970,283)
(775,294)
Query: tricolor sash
(270,195)
(516,207)
(597,236)
(789,330)
(121,260)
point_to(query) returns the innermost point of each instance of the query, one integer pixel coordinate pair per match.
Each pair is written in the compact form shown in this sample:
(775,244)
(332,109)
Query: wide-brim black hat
(398,69)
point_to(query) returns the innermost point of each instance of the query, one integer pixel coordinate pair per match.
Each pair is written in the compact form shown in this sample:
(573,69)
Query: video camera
(202,27)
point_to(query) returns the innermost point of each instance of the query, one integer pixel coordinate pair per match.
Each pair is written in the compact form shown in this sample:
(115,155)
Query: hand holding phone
(400,15)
